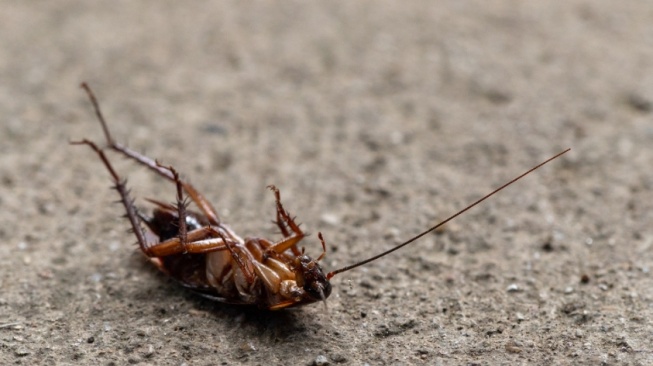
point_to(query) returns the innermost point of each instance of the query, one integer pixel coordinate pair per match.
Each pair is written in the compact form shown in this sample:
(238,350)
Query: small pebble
(150,351)
(321,360)
(247,347)
(513,288)
(512,347)
(21,352)
(330,219)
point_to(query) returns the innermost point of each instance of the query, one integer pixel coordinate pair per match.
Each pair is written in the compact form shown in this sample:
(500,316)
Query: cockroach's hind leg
(120,185)
(98,113)
(205,206)
(196,240)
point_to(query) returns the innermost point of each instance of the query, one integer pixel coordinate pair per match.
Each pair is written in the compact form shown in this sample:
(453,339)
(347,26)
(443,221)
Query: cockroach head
(312,279)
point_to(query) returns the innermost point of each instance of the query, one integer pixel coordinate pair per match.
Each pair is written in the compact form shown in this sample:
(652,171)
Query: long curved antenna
(344,269)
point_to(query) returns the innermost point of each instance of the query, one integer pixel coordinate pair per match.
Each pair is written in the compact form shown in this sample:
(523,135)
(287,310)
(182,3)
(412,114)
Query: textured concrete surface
(375,119)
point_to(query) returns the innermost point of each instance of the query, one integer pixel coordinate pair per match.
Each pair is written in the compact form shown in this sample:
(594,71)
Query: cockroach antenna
(418,236)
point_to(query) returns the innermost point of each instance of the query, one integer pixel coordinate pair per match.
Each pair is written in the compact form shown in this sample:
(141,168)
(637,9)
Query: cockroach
(201,252)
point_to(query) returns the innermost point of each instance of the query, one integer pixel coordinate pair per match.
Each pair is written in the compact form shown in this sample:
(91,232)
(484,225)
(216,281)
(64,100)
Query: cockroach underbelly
(218,275)
(271,285)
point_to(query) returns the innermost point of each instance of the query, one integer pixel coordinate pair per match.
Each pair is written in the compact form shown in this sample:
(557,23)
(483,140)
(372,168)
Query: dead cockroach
(202,253)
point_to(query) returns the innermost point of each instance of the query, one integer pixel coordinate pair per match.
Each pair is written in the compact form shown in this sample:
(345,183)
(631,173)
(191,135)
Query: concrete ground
(375,119)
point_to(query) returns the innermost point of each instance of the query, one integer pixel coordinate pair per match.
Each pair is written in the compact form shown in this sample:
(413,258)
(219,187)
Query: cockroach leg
(195,240)
(181,207)
(285,220)
(199,241)
(244,262)
(282,222)
(319,235)
(120,186)
(201,202)
(162,205)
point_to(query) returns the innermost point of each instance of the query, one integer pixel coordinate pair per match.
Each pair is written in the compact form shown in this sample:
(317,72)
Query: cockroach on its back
(204,254)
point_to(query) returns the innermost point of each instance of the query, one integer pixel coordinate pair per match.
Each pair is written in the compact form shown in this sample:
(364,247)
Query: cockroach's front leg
(201,202)
(285,222)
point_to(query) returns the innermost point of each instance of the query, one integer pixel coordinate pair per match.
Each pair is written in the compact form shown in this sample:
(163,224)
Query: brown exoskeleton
(202,253)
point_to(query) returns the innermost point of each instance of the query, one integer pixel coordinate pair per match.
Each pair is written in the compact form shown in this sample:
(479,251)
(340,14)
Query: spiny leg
(282,224)
(204,239)
(181,208)
(284,221)
(242,259)
(120,186)
(201,202)
(196,240)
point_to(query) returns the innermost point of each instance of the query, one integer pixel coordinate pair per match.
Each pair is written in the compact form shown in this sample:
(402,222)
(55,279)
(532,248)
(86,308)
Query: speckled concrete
(376,119)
